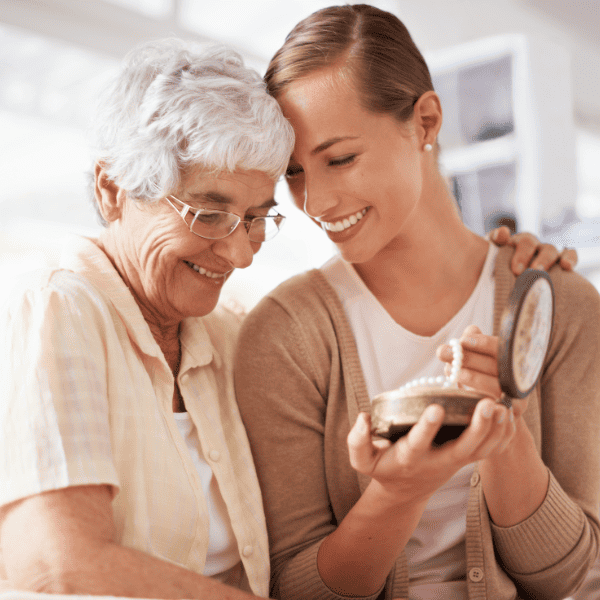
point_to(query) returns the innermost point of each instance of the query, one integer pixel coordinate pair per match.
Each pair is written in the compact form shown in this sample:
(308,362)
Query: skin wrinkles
(220,202)
(150,245)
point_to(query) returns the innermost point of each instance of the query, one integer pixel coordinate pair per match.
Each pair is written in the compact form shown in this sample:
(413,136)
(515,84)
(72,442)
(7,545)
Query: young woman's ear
(108,195)
(428,117)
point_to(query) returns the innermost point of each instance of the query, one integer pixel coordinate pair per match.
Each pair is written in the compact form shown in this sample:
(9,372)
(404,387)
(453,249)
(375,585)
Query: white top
(391,356)
(87,398)
(222,552)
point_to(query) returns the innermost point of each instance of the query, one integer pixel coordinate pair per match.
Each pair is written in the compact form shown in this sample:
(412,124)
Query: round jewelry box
(523,341)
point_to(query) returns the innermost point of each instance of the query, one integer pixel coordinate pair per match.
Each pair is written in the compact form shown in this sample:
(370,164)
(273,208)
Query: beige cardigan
(300,386)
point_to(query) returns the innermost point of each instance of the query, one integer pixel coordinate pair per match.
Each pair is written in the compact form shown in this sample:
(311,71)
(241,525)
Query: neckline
(363,291)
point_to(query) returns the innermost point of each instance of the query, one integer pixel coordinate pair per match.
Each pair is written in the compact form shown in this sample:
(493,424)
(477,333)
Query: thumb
(470,330)
(362,452)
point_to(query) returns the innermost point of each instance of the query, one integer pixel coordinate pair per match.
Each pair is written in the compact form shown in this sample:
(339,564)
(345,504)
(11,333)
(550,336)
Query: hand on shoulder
(530,252)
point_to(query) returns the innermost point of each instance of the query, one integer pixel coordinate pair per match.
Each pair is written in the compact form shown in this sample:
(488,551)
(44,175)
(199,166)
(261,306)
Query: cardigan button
(247,551)
(474,479)
(476,574)
(214,455)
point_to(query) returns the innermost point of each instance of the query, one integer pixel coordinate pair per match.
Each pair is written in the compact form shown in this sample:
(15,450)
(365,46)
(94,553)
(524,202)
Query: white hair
(176,105)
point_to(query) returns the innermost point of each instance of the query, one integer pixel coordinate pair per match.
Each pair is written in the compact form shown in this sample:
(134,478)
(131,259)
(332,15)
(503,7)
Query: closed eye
(344,160)
(293,171)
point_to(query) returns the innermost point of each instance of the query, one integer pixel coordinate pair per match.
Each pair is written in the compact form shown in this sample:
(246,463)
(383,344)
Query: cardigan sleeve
(549,553)
(282,380)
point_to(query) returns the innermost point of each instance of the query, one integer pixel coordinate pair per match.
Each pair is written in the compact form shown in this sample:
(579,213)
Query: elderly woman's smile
(170,268)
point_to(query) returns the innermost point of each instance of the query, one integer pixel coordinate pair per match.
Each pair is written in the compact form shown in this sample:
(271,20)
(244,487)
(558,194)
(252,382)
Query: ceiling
(581,16)
(56,53)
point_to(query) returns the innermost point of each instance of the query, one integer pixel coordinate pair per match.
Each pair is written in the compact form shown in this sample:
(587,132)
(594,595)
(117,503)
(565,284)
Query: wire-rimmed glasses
(218,224)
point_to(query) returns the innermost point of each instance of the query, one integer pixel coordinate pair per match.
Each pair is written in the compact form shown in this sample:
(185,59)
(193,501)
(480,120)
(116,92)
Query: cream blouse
(87,399)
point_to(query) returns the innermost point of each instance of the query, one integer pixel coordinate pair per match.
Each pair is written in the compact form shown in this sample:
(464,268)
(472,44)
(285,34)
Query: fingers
(476,381)
(568,259)
(480,361)
(422,434)
(363,453)
(472,360)
(547,256)
(526,245)
(472,340)
(500,236)
(531,253)
(498,422)
(491,430)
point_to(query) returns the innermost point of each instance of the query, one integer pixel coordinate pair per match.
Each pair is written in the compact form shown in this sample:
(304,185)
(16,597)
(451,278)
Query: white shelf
(463,159)
(508,138)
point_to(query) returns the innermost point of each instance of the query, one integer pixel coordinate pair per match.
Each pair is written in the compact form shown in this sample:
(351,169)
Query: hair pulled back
(388,70)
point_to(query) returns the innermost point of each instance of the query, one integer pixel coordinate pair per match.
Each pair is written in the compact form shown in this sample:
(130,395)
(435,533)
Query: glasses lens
(213,225)
(263,229)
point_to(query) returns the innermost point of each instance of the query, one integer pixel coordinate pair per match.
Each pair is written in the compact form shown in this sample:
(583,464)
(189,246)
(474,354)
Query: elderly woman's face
(177,273)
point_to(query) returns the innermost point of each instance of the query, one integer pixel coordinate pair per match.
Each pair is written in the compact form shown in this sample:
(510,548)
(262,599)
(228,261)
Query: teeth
(348,222)
(203,271)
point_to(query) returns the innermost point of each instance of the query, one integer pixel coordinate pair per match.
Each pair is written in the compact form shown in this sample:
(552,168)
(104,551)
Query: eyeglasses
(218,224)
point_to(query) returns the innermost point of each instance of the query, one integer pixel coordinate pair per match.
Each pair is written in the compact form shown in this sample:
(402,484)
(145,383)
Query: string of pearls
(452,381)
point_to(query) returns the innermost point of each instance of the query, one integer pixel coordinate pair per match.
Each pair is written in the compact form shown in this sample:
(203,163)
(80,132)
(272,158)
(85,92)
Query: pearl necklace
(452,381)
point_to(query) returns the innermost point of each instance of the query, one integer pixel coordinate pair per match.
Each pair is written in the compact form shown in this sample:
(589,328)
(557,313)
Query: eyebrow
(226,201)
(330,142)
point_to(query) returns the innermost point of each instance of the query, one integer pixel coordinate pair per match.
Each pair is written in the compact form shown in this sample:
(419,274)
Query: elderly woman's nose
(236,248)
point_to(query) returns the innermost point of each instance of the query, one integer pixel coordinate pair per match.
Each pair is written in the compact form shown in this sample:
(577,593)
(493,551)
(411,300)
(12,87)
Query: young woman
(509,509)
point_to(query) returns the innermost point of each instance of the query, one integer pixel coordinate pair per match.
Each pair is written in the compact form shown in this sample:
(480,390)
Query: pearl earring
(428,147)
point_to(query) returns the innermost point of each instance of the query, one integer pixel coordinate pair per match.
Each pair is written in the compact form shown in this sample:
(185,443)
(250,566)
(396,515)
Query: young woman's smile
(344,227)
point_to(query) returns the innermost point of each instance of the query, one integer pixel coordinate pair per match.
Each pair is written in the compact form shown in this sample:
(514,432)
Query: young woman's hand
(480,365)
(530,252)
(411,470)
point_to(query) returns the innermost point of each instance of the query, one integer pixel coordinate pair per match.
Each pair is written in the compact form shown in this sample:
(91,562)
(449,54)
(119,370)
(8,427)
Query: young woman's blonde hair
(373,45)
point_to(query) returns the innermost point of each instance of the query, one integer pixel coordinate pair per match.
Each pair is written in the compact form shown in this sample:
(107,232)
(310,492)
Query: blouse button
(247,551)
(214,455)
(476,574)
(474,479)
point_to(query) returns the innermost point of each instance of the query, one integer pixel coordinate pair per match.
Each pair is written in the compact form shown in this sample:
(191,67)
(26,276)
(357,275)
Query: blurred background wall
(55,54)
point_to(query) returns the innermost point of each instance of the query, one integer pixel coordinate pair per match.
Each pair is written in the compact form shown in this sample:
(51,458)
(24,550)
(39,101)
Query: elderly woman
(125,469)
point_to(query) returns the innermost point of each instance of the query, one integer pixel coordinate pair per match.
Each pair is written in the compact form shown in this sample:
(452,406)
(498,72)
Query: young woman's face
(358,174)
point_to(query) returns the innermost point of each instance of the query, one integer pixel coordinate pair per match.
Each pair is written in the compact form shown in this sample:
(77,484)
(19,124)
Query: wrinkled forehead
(253,180)
(241,189)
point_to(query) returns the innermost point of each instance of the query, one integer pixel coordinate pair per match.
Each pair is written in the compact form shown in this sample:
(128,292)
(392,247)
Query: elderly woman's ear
(108,195)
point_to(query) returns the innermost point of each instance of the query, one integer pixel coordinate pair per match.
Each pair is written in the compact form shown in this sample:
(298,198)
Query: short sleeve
(54,412)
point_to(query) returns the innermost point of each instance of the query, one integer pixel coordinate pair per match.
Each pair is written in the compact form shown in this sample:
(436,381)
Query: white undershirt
(222,553)
(391,356)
